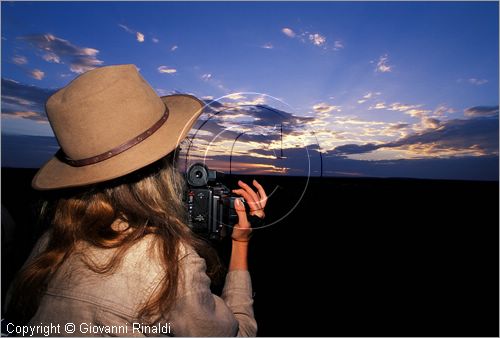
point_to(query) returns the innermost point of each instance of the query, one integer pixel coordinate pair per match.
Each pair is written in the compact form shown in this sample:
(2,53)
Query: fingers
(251,202)
(242,215)
(249,190)
(255,200)
(262,194)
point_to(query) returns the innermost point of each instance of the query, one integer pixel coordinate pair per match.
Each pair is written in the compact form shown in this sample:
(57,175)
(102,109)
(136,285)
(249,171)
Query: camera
(210,204)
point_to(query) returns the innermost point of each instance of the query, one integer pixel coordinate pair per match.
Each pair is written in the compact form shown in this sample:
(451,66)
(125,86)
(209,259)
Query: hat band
(115,151)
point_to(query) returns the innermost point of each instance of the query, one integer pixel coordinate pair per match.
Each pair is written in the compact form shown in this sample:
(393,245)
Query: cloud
(288,32)
(128,30)
(477,82)
(51,57)
(399,126)
(485,111)
(442,111)
(235,96)
(383,64)
(57,50)
(410,109)
(337,45)
(368,96)
(24,101)
(317,39)
(430,123)
(166,70)
(378,105)
(20,60)
(396,106)
(138,35)
(325,108)
(354,149)
(174,47)
(155,40)
(267,45)
(206,77)
(37,74)
(477,137)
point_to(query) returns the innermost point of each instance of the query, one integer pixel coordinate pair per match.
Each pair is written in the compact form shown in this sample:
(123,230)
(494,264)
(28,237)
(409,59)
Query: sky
(351,89)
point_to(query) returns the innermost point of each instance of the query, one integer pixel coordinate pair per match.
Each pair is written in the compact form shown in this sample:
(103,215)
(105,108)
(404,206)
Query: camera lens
(198,174)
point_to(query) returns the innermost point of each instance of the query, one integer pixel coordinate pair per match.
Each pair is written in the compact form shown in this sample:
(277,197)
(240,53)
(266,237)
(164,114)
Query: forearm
(239,256)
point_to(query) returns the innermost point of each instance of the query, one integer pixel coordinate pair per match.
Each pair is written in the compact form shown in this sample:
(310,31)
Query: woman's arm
(200,313)
(242,231)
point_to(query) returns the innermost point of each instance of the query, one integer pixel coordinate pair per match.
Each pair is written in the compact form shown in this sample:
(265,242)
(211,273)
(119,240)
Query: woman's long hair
(150,201)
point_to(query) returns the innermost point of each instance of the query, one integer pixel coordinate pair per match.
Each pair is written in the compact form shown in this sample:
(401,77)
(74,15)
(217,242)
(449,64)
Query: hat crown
(102,109)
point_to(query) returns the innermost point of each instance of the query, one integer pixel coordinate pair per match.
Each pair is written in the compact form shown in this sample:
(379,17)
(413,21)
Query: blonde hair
(149,201)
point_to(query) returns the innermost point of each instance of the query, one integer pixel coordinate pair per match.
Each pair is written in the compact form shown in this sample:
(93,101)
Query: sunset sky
(384,89)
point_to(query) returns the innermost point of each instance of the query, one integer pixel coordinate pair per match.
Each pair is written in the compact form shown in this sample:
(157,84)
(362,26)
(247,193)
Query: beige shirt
(108,304)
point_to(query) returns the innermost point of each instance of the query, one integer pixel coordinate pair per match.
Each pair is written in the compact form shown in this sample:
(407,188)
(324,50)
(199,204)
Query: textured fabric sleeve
(237,294)
(198,312)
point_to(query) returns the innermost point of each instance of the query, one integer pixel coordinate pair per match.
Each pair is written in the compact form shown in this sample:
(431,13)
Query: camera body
(210,204)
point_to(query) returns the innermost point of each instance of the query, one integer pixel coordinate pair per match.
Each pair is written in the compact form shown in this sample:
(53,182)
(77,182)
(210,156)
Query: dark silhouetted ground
(356,257)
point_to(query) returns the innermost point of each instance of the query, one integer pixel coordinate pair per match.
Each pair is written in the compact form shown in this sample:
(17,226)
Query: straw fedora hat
(109,122)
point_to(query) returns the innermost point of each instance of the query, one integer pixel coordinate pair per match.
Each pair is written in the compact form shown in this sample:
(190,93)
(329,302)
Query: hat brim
(184,110)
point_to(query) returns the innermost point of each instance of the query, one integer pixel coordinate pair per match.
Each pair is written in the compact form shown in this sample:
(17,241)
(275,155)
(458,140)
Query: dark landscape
(356,257)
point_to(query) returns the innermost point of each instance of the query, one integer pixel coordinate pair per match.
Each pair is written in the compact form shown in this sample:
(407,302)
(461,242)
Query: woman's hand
(256,201)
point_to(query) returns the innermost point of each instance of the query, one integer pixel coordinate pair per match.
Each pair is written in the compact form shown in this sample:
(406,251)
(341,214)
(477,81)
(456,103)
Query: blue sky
(379,88)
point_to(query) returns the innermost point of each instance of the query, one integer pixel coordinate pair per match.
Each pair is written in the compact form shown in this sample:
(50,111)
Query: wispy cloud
(396,106)
(315,38)
(206,77)
(477,82)
(481,111)
(37,74)
(235,96)
(325,107)
(337,45)
(126,29)
(368,96)
(166,70)
(138,35)
(57,50)
(378,105)
(383,64)
(174,47)
(409,109)
(20,60)
(155,40)
(267,45)
(52,57)
(288,32)
(472,137)
(24,101)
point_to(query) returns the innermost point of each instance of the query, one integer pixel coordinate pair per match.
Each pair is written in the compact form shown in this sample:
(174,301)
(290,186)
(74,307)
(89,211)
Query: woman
(119,255)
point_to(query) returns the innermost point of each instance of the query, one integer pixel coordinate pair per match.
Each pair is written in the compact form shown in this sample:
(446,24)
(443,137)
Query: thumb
(242,214)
